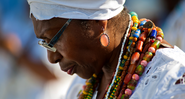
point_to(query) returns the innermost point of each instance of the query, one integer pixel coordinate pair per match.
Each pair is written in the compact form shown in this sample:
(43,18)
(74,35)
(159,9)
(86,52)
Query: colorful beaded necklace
(143,42)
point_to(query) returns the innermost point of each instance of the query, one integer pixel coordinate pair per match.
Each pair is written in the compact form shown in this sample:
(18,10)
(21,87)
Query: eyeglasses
(50,46)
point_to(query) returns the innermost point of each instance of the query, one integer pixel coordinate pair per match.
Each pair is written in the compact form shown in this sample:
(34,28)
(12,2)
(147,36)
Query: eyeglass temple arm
(57,36)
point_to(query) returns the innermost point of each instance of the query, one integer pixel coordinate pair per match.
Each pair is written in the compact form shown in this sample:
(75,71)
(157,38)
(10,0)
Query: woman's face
(78,49)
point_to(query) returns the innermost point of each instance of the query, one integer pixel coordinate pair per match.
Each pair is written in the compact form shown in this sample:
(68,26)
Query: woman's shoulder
(171,54)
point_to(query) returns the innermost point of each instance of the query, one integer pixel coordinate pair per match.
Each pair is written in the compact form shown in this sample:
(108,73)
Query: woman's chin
(85,76)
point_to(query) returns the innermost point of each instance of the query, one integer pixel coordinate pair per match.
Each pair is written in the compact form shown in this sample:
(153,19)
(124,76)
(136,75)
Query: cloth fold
(75,9)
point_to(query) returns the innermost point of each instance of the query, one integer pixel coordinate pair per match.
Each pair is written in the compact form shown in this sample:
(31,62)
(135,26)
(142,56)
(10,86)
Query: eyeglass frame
(50,46)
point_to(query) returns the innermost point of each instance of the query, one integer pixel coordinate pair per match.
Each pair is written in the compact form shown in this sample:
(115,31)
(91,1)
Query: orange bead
(133,44)
(135,39)
(145,29)
(142,19)
(154,28)
(139,46)
(143,36)
(127,78)
(135,57)
(131,68)
(159,29)
(149,29)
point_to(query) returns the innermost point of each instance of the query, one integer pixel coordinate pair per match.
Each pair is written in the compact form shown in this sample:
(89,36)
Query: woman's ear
(103,23)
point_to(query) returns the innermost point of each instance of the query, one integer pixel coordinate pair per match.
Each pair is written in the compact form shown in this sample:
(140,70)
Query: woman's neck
(108,72)
(110,67)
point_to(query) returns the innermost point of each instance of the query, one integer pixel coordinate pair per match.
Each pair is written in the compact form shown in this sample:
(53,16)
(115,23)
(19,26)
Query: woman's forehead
(41,26)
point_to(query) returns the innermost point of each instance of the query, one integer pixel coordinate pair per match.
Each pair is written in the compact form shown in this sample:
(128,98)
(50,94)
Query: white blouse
(157,82)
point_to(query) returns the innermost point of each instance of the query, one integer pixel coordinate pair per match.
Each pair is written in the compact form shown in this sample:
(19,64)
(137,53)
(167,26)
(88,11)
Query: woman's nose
(54,57)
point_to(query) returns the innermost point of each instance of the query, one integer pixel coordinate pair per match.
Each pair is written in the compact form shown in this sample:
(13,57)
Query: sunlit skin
(80,47)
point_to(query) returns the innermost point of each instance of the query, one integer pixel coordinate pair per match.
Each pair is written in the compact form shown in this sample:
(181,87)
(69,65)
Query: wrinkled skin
(78,46)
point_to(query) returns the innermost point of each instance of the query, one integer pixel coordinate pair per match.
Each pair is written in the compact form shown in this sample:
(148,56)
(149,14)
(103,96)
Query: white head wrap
(75,9)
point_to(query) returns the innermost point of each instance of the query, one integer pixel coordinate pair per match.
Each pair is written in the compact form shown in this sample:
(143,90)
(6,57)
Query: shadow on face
(78,48)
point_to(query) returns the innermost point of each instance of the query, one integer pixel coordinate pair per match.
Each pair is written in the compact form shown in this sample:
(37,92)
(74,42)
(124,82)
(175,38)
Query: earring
(104,39)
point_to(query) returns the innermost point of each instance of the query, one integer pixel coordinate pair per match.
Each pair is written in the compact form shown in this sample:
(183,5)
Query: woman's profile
(119,55)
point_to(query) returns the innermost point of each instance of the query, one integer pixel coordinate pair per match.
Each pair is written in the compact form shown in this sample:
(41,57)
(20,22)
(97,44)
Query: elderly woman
(111,48)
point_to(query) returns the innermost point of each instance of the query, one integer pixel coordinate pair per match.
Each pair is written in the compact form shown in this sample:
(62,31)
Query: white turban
(75,9)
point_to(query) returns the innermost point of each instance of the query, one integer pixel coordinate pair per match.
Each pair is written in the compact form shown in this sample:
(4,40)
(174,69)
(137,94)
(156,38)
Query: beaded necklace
(143,42)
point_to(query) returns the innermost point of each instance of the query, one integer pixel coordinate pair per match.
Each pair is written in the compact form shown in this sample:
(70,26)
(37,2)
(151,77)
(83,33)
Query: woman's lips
(70,70)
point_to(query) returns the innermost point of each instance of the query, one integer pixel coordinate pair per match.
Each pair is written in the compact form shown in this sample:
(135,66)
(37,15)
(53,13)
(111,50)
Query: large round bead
(151,49)
(128,92)
(159,38)
(144,63)
(148,56)
(139,70)
(134,18)
(135,77)
(132,84)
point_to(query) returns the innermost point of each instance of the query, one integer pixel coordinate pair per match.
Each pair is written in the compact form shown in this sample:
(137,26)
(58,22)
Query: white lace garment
(159,81)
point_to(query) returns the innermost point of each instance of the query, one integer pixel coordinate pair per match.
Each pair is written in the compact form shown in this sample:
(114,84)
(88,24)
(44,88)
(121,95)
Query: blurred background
(25,72)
